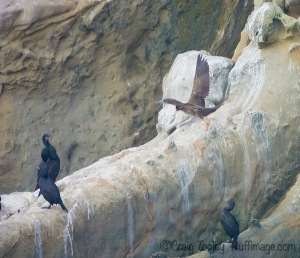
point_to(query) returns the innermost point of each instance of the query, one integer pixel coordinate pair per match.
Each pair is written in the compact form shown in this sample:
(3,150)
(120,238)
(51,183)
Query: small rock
(172,146)
(150,162)
(213,132)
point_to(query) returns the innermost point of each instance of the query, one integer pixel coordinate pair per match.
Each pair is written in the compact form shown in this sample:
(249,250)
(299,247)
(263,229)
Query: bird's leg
(47,207)
(234,245)
(207,123)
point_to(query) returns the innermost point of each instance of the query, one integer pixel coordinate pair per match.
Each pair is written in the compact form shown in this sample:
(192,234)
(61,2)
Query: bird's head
(169,101)
(230,205)
(46,137)
(160,102)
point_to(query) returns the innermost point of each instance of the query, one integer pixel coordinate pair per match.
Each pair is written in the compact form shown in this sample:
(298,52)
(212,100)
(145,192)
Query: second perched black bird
(230,224)
(50,157)
(48,188)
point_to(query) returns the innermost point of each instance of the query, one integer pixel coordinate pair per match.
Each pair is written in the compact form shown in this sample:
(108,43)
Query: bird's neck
(46,143)
(229,208)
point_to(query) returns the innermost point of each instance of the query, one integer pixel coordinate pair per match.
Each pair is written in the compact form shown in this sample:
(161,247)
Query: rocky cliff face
(174,187)
(89,72)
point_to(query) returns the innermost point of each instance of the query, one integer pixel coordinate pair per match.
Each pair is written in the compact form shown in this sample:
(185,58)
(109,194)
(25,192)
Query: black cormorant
(230,224)
(48,188)
(50,157)
(196,104)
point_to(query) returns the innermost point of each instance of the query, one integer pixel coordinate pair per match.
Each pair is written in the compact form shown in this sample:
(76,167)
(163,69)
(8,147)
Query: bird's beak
(160,102)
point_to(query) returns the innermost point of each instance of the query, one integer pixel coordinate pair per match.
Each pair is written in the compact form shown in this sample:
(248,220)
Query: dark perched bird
(0,203)
(230,224)
(48,188)
(196,104)
(50,157)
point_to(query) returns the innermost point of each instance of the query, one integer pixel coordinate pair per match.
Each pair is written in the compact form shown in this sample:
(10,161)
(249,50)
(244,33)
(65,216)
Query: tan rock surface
(277,236)
(244,41)
(174,187)
(279,228)
(269,24)
(290,7)
(90,71)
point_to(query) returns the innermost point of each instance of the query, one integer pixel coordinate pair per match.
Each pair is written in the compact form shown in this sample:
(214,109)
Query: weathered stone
(244,41)
(252,155)
(269,23)
(89,72)
(291,10)
(276,235)
(290,7)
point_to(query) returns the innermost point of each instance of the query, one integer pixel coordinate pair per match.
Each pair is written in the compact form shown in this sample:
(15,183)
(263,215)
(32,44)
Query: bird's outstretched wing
(171,101)
(201,82)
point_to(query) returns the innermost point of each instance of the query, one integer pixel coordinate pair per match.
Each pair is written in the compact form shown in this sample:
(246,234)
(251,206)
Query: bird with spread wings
(196,104)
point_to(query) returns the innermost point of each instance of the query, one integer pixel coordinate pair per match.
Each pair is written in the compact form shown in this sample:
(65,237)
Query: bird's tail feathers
(63,207)
(217,105)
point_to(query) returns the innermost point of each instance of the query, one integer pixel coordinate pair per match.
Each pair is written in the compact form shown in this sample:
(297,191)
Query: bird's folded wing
(45,154)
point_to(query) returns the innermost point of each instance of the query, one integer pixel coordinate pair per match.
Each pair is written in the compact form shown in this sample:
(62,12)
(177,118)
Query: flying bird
(196,104)
(48,188)
(230,224)
(50,157)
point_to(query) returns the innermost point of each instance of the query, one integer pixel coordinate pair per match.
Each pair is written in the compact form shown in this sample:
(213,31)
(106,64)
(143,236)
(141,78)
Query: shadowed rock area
(89,72)
(175,186)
